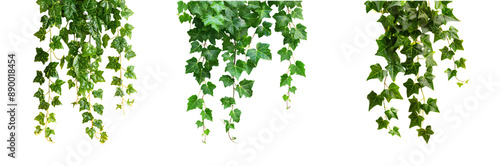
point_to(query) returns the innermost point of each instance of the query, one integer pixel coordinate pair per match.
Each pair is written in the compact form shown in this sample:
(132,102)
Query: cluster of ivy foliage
(83,33)
(232,23)
(410,26)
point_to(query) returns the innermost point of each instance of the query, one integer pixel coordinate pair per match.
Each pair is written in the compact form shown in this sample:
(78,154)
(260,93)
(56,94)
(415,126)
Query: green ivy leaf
(98,123)
(87,116)
(104,137)
(299,32)
(392,92)
(457,45)
(38,130)
(451,73)
(211,53)
(264,30)
(411,87)
(56,86)
(214,21)
(193,65)
(377,72)
(425,133)
(446,53)
(51,71)
(48,132)
(382,123)
(460,63)
(206,114)
(391,113)
(97,93)
(194,103)
(199,124)
(129,53)
(105,40)
(426,80)
(208,88)
(285,80)
(41,56)
(415,120)
(119,43)
(374,100)
(235,114)
(196,47)
(126,31)
(235,70)
(114,63)
(98,108)
(84,104)
(262,52)
(395,131)
(130,73)
(285,54)
(116,81)
(40,34)
(282,21)
(40,118)
(430,106)
(39,77)
(245,88)
(119,92)
(297,13)
(126,13)
(298,68)
(227,80)
(56,101)
(227,102)
(394,69)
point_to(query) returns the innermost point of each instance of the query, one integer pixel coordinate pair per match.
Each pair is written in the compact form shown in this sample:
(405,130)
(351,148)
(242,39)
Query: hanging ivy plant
(234,24)
(83,26)
(411,29)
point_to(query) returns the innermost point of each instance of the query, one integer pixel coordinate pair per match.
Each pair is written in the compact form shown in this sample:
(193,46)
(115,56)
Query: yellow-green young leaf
(460,63)
(130,89)
(104,137)
(38,130)
(48,132)
(199,124)
(127,30)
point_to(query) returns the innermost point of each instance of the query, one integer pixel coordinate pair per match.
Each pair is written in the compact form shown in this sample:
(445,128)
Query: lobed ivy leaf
(56,101)
(244,88)
(41,56)
(119,44)
(194,103)
(104,137)
(206,114)
(391,113)
(392,92)
(235,115)
(395,131)
(39,77)
(56,86)
(227,80)
(285,54)
(377,73)
(451,73)
(130,73)
(425,133)
(114,63)
(208,88)
(227,102)
(127,30)
(460,63)
(382,123)
(374,100)
(297,68)
(285,80)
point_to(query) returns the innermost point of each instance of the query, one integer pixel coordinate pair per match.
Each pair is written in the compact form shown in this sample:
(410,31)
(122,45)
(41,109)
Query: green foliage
(231,24)
(84,29)
(411,29)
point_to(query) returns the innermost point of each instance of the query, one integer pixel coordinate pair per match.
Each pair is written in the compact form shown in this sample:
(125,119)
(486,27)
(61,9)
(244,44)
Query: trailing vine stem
(409,26)
(84,19)
(229,22)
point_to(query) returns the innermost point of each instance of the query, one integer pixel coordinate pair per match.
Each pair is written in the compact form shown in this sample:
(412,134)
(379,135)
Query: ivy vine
(84,33)
(409,27)
(232,22)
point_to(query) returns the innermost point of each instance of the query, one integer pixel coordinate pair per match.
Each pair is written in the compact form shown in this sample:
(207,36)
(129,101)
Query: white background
(329,123)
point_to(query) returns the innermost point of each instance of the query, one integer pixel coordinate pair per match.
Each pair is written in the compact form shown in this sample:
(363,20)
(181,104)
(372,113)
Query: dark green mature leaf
(97,93)
(245,88)
(39,94)
(299,32)
(41,56)
(265,10)
(56,43)
(235,115)
(430,106)
(51,71)
(39,77)
(429,61)
(208,88)
(119,92)
(130,73)
(446,53)
(411,87)
(415,120)
(382,123)
(392,92)
(374,100)
(264,30)
(129,53)
(425,133)
(40,34)
(282,21)
(286,80)
(412,50)
(194,103)
(227,80)
(457,45)
(211,53)
(116,81)
(235,25)
(235,70)
(196,47)
(411,67)
(40,118)
(394,69)
(426,80)
(56,101)
(262,52)
(114,63)
(460,63)
(98,108)
(297,68)
(391,113)
(87,117)
(119,43)
(227,102)
(451,73)
(193,65)
(56,86)
(377,73)
(415,105)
